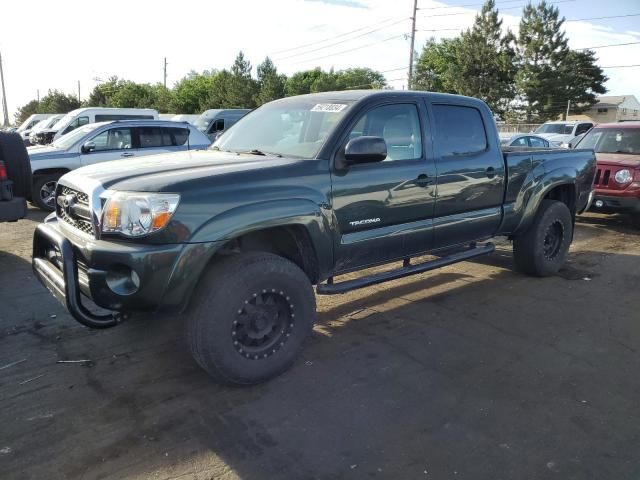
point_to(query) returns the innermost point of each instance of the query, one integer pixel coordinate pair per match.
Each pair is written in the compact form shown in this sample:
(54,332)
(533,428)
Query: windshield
(612,140)
(23,126)
(47,123)
(72,137)
(560,128)
(64,120)
(293,127)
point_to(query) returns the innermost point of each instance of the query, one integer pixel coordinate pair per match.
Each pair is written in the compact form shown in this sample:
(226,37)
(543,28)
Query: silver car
(102,142)
(526,140)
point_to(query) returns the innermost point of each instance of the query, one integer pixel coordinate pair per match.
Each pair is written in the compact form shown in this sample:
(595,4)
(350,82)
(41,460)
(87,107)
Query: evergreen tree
(485,61)
(435,69)
(360,78)
(271,84)
(242,88)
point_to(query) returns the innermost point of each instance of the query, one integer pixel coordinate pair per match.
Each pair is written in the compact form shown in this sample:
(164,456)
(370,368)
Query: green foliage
(317,80)
(190,92)
(242,89)
(271,85)
(359,78)
(435,69)
(53,102)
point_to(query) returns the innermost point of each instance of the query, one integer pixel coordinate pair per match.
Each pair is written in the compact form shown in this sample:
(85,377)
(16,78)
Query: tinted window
(520,142)
(217,126)
(78,122)
(398,125)
(180,135)
(460,130)
(538,142)
(582,128)
(151,137)
(112,139)
(111,117)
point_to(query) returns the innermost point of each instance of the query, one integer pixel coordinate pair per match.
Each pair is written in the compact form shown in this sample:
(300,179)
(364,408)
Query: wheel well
(47,171)
(565,194)
(291,242)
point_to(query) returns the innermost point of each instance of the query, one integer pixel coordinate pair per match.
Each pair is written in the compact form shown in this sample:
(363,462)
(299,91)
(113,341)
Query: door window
(520,142)
(460,130)
(112,139)
(538,142)
(399,125)
(217,126)
(154,137)
(78,122)
(582,128)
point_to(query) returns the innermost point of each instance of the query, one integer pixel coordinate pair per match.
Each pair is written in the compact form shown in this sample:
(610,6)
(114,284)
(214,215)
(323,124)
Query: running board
(407,269)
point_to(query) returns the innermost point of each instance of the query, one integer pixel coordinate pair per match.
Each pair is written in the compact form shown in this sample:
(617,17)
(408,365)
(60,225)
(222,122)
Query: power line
(351,49)
(467,5)
(607,46)
(603,18)
(333,37)
(507,8)
(340,42)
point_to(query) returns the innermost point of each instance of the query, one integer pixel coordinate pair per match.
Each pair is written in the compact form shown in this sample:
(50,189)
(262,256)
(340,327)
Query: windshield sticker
(329,107)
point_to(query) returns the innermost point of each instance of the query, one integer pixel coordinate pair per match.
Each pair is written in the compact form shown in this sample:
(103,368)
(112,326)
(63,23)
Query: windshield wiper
(255,151)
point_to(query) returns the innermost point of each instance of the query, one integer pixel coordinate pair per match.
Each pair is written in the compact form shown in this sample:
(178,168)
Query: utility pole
(165,72)
(79,101)
(38,95)
(5,109)
(413,41)
(566,117)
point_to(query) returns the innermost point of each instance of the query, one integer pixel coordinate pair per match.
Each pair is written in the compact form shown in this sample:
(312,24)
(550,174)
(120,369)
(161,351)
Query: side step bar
(407,269)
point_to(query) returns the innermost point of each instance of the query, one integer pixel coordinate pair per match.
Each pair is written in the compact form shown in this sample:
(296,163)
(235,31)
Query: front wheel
(543,248)
(43,194)
(250,315)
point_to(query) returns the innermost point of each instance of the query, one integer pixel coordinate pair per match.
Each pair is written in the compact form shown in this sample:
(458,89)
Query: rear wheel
(250,315)
(543,248)
(44,191)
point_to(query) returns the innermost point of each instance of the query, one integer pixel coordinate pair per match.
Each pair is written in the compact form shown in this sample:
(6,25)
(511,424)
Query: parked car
(104,141)
(85,116)
(525,140)
(25,127)
(183,117)
(15,177)
(295,194)
(40,134)
(560,133)
(213,122)
(617,180)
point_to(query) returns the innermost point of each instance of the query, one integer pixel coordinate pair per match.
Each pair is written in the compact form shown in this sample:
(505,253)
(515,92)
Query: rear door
(111,144)
(155,140)
(471,175)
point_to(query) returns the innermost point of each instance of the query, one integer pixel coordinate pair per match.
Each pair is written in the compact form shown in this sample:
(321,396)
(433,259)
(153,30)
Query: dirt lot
(473,372)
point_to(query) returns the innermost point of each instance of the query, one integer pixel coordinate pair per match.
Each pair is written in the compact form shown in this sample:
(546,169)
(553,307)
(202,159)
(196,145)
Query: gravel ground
(470,372)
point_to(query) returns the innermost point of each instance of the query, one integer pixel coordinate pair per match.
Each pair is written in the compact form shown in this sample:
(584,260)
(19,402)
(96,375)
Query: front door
(384,210)
(111,144)
(471,176)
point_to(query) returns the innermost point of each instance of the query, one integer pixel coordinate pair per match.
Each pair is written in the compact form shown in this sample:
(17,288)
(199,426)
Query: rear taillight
(3,171)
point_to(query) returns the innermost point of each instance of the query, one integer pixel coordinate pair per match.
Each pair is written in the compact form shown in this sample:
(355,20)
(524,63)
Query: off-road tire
(38,182)
(16,159)
(542,250)
(237,300)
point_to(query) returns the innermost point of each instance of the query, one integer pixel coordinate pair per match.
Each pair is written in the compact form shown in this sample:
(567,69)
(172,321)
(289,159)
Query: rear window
(460,130)
(154,137)
(180,135)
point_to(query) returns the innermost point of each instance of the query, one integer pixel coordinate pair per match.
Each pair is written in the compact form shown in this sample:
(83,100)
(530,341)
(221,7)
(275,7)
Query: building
(611,108)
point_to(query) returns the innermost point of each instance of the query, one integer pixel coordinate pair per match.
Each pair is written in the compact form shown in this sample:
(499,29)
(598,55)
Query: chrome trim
(94,189)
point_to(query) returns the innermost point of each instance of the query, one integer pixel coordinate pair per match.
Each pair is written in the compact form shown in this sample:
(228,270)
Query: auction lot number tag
(329,107)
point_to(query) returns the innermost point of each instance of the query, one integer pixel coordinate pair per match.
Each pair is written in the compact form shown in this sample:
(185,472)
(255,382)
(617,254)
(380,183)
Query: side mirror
(365,150)
(88,147)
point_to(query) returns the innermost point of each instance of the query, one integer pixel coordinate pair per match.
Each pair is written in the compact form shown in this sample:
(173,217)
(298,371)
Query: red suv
(617,180)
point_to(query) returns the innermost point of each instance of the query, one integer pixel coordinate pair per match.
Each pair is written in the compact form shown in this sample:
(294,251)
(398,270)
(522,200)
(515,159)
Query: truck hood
(618,159)
(163,172)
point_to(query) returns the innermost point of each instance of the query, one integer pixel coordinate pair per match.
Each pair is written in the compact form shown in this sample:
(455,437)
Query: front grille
(71,215)
(602,175)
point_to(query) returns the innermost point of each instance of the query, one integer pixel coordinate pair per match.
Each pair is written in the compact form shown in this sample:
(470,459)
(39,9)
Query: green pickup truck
(300,191)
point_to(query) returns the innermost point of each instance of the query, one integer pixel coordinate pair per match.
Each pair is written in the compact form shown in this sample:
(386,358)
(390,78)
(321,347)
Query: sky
(55,47)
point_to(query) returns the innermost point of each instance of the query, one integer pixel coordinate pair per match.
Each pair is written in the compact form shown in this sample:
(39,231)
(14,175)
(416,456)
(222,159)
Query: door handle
(490,172)
(423,180)
(126,154)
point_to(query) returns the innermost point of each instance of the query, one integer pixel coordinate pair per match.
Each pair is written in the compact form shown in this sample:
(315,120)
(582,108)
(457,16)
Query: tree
(271,84)
(26,111)
(242,87)
(57,102)
(189,93)
(102,93)
(301,83)
(585,79)
(360,78)
(542,50)
(485,58)
(435,68)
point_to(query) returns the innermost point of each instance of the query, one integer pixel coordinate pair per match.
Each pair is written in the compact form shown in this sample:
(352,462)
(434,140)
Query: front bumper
(609,203)
(73,265)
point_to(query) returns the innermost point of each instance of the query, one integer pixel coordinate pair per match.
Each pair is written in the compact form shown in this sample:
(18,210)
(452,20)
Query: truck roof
(634,124)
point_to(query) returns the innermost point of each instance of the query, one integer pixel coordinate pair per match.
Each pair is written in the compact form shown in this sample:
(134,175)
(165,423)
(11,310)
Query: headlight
(623,176)
(134,214)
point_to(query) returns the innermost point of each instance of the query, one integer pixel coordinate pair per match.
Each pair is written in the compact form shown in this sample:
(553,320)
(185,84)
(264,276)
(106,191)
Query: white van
(25,127)
(83,116)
